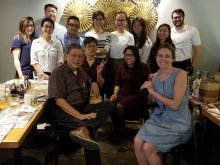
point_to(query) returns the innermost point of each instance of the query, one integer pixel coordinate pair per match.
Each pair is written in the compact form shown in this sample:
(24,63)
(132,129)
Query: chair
(57,133)
(195,142)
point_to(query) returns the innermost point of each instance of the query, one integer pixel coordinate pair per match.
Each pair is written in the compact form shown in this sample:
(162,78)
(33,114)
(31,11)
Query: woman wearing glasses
(120,39)
(46,52)
(21,46)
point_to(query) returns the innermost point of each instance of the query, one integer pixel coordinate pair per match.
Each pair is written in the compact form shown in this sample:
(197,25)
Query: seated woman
(127,95)
(170,123)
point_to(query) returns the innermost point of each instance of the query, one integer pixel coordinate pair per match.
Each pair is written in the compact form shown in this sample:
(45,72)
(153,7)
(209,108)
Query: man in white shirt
(50,11)
(187,42)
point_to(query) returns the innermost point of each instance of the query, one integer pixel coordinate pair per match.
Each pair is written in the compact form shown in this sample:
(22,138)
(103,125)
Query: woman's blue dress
(167,128)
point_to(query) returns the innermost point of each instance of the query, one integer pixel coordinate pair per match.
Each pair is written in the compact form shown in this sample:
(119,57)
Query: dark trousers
(102,111)
(185,65)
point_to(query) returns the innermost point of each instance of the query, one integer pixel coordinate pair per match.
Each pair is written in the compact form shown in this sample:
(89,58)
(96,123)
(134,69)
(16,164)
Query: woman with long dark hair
(126,94)
(163,35)
(142,41)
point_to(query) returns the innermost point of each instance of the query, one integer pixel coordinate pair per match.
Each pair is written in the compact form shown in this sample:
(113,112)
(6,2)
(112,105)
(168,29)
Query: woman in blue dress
(170,123)
(21,47)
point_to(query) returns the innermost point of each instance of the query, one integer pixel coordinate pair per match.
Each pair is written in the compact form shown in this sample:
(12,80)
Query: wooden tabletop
(17,135)
(215,118)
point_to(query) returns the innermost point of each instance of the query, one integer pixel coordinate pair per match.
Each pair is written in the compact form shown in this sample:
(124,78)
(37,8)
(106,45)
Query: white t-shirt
(119,43)
(104,40)
(58,32)
(184,39)
(47,57)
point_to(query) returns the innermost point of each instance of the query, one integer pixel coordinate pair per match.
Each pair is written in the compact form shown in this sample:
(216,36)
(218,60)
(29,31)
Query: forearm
(101,51)
(100,79)
(66,107)
(116,89)
(196,51)
(18,67)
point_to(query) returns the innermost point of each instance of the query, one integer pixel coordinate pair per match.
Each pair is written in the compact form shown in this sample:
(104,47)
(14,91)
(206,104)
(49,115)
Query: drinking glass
(14,103)
(204,75)
(35,75)
(40,77)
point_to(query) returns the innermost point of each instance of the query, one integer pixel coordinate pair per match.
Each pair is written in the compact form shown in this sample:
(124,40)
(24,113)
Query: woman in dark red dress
(127,96)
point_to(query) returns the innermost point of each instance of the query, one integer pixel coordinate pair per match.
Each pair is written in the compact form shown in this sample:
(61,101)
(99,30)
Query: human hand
(113,97)
(101,66)
(88,116)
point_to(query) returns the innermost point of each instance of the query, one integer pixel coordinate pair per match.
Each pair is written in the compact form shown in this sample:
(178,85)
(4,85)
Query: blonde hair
(22,25)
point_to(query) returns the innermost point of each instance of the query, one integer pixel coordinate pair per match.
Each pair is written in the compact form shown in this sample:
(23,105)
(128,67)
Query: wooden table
(212,117)
(17,135)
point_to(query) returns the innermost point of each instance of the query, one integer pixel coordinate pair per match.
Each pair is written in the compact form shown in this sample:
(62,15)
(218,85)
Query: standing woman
(103,38)
(142,41)
(163,35)
(46,52)
(21,47)
(120,39)
(170,124)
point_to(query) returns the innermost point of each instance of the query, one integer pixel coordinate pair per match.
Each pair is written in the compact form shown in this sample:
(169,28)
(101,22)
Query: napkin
(27,108)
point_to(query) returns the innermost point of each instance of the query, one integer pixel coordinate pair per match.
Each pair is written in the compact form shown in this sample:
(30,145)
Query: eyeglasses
(77,56)
(177,17)
(119,20)
(73,25)
(128,55)
(98,19)
(48,27)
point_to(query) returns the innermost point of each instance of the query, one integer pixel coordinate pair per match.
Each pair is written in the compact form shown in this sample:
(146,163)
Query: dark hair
(122,12)
(140,41)
(50,5)
(168,39)
(179,11)
(72,17)
(47,20)
(73,46)
(168,46)
(88,40)
(135,53)
(22,24)
(134,77)
(97,13)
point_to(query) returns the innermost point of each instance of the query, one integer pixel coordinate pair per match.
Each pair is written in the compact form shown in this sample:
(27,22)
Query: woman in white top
(142,41)
(46,52)
(103,38)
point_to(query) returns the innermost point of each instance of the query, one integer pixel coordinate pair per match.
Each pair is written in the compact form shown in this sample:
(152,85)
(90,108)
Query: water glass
(204,75)
(35,75)
(40,77)
(14,103)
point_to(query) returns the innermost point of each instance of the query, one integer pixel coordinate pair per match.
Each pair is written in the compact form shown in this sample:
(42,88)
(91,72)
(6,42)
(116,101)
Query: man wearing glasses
(51,11)
(71,37)
(187,42)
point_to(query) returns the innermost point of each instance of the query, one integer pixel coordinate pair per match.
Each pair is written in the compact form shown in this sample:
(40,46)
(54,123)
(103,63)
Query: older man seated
(69,86)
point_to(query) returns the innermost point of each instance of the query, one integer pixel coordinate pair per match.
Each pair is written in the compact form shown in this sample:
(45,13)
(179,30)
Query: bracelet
(115,93)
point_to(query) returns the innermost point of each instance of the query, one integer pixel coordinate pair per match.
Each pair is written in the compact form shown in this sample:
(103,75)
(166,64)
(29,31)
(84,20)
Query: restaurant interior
(33,142)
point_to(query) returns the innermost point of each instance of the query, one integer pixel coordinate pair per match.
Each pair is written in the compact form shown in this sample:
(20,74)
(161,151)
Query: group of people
(78,68)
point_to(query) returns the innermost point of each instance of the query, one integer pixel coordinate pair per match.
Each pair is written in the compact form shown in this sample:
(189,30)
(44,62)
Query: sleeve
(131,39)
(56,85)
(119,75)
(107,42)
(16,43)
(145,51)
(34,55)
(60,52)
(196,37)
